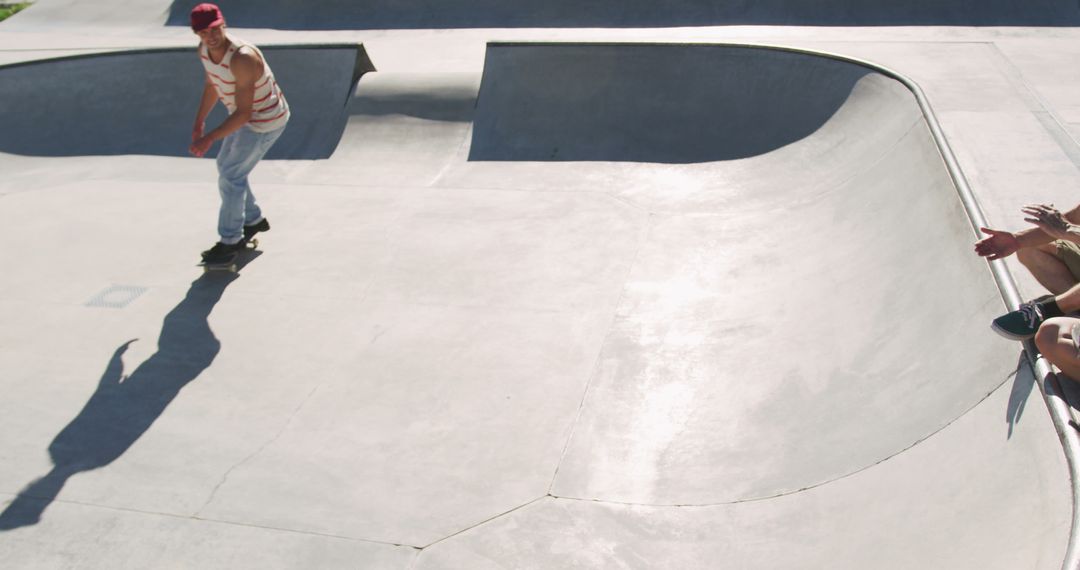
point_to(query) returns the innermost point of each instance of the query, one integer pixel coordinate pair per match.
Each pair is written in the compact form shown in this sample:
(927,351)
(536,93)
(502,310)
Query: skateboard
(230,264)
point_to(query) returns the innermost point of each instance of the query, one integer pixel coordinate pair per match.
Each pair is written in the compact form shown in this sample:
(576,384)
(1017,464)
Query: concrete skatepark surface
(553,298)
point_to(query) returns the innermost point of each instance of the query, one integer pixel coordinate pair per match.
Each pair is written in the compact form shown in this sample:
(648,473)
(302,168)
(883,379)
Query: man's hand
(1048,219)
(998,245)
(197,131)
(200,146)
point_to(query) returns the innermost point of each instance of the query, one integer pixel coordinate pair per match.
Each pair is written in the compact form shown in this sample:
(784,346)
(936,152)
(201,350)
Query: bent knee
(1028,255)
(1025,255)
(233,174)
(1055,335)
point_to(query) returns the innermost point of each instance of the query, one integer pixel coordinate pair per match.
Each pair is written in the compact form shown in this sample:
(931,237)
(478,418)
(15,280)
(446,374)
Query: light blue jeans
(240,152)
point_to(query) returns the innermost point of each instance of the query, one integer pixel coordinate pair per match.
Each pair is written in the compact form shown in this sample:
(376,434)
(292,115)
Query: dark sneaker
(261,226)
(1024,322)
(221,253)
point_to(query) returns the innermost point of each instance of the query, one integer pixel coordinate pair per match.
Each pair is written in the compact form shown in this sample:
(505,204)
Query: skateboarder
(1051,252)
(237,75)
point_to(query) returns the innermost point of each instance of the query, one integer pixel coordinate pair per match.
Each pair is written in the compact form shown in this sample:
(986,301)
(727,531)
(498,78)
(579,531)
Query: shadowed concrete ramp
(87,105)
(395,14)
(648,103)
(459,349)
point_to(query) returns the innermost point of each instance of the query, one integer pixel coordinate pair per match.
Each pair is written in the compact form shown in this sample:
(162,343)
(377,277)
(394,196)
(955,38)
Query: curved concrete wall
(144,102)
(651,103)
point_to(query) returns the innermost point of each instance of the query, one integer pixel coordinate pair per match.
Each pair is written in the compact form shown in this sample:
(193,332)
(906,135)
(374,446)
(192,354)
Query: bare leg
(1048,269)
(1055,341)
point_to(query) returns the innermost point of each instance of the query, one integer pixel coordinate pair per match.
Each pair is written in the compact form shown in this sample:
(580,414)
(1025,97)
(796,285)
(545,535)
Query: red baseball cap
(206,16)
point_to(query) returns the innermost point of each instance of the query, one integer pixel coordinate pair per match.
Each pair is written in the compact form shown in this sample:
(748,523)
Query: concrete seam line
(217,521)
(485,521)
(648,226)
(808,487)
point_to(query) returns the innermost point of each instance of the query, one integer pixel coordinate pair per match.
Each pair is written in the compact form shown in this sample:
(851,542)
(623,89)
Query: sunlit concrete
(605,358)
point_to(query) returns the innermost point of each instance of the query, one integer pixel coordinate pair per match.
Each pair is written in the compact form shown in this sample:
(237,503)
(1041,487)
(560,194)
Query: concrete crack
(252,455)
(594,370)
(486,521)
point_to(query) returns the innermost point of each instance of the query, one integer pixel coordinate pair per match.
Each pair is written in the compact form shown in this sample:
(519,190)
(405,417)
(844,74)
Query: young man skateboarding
(237,75)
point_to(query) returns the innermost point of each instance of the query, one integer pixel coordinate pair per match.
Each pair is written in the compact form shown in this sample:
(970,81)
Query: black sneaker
(1024,322)
(260,226)
(221,253)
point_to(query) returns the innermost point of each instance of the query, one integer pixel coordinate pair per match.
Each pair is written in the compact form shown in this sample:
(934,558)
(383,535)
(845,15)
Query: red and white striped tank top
(270,111)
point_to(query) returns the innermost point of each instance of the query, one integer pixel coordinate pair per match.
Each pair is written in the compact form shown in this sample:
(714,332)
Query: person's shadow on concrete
(123,406)
(1022,388)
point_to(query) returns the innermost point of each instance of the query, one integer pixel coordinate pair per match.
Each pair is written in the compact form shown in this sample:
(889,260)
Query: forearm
(206,103)
(1072,234)
(1032,237)
(1052,225)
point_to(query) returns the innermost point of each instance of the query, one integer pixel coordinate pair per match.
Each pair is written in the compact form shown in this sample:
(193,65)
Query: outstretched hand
(1048,218)
(997,245)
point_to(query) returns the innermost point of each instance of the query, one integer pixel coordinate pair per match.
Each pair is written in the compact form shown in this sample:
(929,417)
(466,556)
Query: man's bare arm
(1033,237)
(206,104)
(1000,244)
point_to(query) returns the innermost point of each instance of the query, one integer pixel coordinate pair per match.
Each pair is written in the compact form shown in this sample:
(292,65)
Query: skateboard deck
(231,265)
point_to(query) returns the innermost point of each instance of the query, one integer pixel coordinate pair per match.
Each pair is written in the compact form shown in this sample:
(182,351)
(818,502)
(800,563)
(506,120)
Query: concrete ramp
(789,379)
(458,348)
(408,14)
(143,102)
(786,286)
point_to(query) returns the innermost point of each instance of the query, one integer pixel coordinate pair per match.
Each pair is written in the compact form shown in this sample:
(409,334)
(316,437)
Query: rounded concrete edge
(1049,382)
(364,60)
